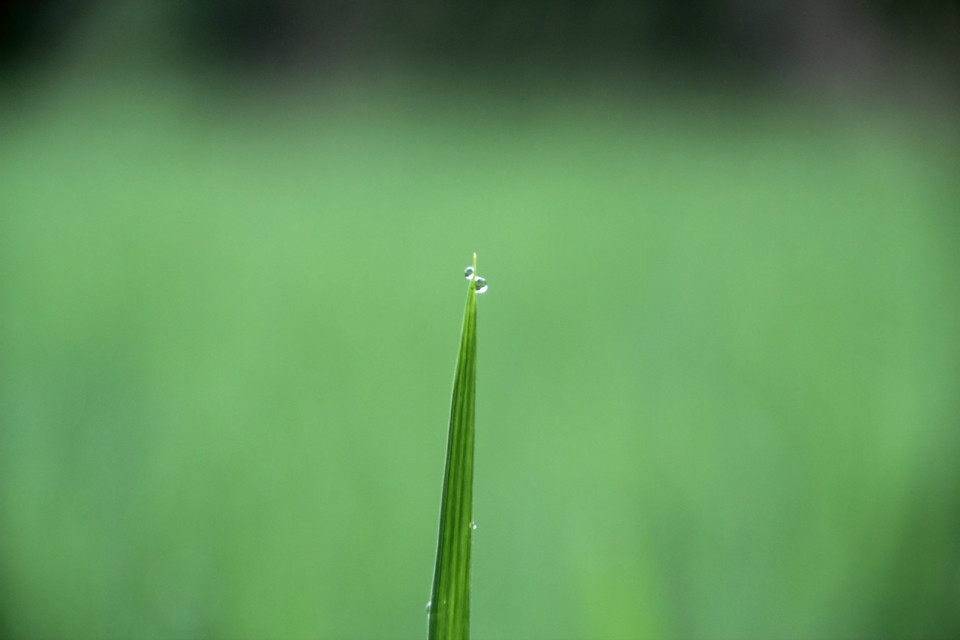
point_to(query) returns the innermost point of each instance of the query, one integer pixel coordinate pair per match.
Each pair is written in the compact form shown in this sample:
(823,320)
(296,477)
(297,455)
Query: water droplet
(428,607)
(481,284)
(468,273)
(473,525)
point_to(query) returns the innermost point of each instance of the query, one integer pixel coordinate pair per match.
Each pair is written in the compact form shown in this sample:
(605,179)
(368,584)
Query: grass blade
(449,610)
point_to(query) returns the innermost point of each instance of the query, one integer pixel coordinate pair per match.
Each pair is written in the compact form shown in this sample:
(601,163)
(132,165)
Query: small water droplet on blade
(428,606)
(481,284)
(468,273)
(473,525)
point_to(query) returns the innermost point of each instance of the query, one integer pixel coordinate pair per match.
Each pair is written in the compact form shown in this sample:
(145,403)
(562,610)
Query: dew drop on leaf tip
(469,274)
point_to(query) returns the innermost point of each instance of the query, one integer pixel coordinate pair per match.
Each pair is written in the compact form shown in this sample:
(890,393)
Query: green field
(717,385)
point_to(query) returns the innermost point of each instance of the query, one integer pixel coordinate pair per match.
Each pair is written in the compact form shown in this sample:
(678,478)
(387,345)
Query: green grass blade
(449,613)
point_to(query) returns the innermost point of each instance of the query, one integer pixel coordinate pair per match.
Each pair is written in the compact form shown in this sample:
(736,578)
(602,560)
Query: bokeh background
(719,357)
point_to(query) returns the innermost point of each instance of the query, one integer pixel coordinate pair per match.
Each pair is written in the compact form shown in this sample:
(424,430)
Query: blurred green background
(719,357)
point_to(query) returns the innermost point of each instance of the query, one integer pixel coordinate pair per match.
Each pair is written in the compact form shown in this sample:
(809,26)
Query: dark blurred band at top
(757,37)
